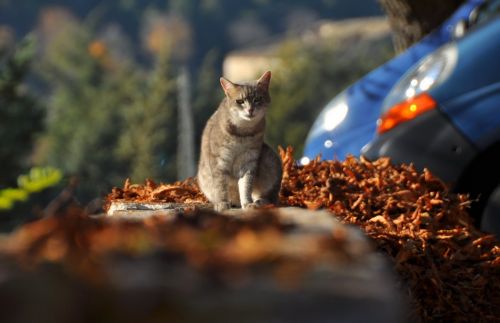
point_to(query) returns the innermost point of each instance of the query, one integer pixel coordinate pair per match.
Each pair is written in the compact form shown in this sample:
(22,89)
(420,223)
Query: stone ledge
(140,210)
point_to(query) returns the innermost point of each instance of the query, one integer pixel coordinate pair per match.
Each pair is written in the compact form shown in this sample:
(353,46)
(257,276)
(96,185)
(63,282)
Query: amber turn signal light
(405,111)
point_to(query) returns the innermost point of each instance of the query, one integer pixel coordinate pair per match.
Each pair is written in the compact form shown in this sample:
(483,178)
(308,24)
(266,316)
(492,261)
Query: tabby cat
(237,168)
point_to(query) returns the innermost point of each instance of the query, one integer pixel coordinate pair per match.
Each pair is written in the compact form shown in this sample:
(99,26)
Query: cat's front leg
(220,190)
(245,184)
(221,206)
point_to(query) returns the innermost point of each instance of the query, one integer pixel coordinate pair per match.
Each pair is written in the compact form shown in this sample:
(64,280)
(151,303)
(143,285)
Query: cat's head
(247,102)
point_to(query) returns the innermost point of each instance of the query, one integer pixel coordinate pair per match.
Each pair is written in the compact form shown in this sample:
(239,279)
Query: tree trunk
(411,20)
(185,146)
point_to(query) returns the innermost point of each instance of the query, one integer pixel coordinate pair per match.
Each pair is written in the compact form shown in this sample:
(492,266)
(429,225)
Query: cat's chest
(237,148)
(237,152)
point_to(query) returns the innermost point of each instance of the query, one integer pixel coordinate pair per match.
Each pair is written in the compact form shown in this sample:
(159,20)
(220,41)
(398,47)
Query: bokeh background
(95,91)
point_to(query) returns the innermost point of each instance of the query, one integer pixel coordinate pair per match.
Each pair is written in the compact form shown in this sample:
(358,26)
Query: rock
(355,285)
(141,210)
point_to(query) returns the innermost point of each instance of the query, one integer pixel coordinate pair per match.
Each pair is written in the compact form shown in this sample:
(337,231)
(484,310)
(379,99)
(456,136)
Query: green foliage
(10,195)
(84,107)
(37,180)
(107,119)
(20,115)
(147,142)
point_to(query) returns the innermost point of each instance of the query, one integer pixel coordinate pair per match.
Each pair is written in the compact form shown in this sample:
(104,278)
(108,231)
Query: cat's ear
(227,85)
(264,80)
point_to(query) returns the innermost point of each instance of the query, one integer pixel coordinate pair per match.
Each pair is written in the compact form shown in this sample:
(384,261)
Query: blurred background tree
(21,114)
(411,20)
(84,107)
(148,138)
(108,118)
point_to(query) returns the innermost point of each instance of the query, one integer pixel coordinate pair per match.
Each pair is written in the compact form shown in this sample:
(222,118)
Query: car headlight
(431,71)
(331,117)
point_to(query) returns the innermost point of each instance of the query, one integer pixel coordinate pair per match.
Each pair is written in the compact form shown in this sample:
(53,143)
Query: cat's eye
(240,102)
(257,100)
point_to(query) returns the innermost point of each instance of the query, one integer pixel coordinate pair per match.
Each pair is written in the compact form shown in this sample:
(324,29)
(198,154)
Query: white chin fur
(245,117)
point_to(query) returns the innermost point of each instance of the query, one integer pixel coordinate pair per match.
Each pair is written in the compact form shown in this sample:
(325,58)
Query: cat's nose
(250,112)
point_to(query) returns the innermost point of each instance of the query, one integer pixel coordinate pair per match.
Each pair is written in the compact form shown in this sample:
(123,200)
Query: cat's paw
(249,206)
(221,206)
(256,204)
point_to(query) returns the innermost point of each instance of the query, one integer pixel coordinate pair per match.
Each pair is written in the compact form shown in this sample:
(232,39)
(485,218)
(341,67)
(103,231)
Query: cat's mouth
(247,116)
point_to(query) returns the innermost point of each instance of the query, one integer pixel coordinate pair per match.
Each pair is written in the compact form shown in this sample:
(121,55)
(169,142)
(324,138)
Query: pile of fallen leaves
(451,270)
(186,191)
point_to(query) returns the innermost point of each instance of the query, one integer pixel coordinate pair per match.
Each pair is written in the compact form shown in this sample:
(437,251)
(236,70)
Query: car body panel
(471,95)
(431,134)
(477,115)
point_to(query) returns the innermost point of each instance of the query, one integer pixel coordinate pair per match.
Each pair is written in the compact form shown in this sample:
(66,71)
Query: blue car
(444,114)
(348,122)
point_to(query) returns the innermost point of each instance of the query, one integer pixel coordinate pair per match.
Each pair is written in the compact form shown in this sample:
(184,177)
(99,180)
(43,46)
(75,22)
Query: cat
(237,168)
